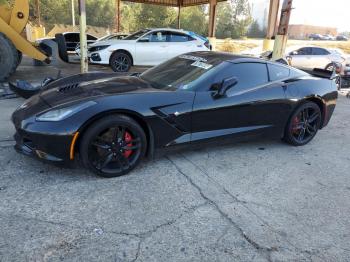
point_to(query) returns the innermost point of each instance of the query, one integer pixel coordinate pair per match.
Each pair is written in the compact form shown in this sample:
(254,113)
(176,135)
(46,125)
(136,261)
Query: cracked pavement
(260,200)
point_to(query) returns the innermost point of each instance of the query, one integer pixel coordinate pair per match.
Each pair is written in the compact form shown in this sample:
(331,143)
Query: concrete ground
(254,201)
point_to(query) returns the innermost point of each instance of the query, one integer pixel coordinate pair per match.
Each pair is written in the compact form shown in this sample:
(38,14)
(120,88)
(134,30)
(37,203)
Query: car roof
(167,29)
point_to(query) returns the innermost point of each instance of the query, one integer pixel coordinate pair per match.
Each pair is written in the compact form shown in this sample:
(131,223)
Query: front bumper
(48,148)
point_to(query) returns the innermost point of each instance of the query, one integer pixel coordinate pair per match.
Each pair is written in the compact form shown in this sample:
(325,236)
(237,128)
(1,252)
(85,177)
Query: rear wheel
(120,62)
(9,57)
(113,146)
(303,125)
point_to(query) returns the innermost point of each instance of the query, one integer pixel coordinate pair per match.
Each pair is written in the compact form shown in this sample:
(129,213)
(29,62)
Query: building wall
(303,31)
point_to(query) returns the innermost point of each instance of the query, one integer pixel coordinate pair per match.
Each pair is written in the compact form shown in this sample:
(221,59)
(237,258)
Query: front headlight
(63,113)
(98,48)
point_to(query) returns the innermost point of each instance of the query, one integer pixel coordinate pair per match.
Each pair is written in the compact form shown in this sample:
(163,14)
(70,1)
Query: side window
(159,36)
(277,72)
(72,37)
(249,75)
(178,37)
(91,38)
(319,51)
(304,51)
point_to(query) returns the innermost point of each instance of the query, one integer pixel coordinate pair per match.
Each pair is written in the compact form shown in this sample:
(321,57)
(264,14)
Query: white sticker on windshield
(194,58)
(201,65)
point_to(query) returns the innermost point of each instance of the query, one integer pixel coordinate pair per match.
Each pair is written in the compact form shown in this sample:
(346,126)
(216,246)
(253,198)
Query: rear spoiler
(322,73)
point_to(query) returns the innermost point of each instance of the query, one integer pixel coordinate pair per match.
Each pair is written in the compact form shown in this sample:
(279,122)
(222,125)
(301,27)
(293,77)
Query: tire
(62,47)
(299,132)
(113,146)
(120,62)
(19,57)
(8,58)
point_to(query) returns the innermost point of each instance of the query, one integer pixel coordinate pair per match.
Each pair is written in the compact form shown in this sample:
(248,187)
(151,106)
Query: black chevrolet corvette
(111,122)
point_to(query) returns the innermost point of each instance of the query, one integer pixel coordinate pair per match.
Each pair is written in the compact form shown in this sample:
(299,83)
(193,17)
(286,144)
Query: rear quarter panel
(322,91)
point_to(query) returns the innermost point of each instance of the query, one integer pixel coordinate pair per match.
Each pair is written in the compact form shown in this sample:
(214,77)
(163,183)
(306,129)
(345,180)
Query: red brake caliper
(295,123)
(128,139)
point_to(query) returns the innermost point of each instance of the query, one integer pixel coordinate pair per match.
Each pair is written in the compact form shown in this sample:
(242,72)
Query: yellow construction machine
(13,19)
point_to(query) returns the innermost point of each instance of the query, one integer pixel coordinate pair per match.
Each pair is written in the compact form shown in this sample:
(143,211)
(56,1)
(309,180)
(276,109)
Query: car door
(302,58)
(151,49)
(320,57)
(180,43)
(254,105)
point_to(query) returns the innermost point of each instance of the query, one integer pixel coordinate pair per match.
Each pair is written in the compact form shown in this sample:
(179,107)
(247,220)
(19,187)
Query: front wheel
(303,124)
(120,62)
(113,146)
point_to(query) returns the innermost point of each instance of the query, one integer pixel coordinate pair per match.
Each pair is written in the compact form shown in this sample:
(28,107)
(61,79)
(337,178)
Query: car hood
(84,86)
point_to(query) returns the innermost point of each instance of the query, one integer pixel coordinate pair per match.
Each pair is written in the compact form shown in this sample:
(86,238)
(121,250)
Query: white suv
(147,47)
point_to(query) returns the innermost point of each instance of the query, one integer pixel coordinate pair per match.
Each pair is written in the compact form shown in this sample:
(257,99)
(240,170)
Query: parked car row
(328,37)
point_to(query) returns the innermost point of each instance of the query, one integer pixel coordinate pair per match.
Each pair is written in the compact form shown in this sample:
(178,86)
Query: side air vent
(68,88)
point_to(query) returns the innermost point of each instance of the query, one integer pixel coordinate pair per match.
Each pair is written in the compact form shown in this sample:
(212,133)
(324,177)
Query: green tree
(233,19)
(255,31)
(193,19)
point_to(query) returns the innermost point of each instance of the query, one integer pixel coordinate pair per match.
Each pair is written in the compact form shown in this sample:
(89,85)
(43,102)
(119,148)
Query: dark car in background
(73,40)
(342,38)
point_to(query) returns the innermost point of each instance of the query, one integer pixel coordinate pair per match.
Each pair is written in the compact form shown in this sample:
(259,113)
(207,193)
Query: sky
(335,13)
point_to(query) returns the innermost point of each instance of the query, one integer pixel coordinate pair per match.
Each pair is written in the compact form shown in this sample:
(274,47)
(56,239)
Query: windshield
(104,38)
(136,35)
(183,72)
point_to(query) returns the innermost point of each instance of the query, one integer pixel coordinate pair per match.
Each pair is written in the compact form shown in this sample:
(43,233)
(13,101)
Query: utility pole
(178,17)
(117,16)
(282,32)
(84,64)
(73,14)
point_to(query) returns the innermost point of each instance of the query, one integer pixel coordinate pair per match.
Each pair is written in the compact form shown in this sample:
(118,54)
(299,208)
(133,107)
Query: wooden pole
(271,24)
(282,32)
(84,64)
(272,20)
(212,18)
(179,17)
(117,16)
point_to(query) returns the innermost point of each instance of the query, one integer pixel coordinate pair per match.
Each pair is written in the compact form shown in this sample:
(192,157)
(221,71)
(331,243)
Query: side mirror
(220,89)
(293,53)
(143,40)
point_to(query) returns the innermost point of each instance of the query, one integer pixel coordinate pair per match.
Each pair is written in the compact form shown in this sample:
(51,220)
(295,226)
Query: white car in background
(147,47)
(311,57)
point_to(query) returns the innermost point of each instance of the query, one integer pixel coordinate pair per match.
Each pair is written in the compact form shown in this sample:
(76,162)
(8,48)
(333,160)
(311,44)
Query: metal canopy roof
(177,3)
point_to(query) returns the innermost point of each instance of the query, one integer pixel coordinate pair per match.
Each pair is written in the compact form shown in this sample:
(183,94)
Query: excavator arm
(12,22)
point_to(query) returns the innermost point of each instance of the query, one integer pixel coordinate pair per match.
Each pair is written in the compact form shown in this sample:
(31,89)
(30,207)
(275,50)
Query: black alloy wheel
(113,146)
(120,62)
(303,125)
